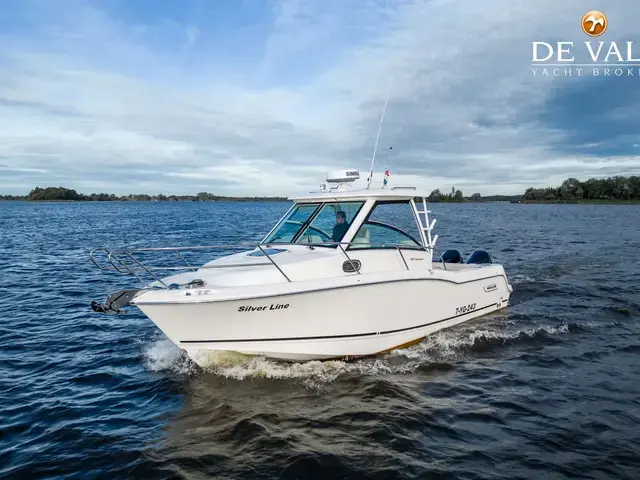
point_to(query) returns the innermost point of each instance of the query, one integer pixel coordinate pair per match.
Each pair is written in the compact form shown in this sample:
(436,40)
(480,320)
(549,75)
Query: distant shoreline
(62,194)
(612,191)
(576,202)
(124,200)
(278,199)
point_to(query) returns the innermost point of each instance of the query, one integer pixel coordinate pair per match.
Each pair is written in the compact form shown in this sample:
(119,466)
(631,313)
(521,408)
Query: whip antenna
(375,146)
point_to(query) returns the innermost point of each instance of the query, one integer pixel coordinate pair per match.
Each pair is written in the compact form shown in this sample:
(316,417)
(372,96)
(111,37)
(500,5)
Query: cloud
(192,34)
(266,98)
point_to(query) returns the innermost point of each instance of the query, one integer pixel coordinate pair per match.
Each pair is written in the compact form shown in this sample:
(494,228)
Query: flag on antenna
(386,172)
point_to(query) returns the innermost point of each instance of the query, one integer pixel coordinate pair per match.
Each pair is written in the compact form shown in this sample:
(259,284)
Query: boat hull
(364,318)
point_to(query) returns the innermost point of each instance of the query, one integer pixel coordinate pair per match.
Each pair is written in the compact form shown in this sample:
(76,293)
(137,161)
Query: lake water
(549,388)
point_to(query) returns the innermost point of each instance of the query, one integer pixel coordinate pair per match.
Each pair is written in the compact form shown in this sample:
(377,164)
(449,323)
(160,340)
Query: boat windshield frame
(268,240)
(419,243)
(307,224)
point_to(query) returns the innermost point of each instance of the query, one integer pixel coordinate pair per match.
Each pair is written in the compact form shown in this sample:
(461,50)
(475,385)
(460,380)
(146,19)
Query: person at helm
(341,226)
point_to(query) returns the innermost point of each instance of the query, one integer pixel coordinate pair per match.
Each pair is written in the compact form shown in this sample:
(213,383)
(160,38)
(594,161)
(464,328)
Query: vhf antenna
(375,146)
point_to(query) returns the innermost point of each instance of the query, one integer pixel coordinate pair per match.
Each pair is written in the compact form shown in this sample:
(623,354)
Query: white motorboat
(345,273)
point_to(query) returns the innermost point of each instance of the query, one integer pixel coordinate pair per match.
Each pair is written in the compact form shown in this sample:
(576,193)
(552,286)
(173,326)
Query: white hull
(347,317)
(299,295)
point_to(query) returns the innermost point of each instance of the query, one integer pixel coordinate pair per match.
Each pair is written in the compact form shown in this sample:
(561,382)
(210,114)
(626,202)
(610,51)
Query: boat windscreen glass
(389,224)
(289,226)
(330,224)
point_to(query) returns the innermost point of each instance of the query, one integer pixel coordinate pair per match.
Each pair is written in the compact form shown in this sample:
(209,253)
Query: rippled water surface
(549,388)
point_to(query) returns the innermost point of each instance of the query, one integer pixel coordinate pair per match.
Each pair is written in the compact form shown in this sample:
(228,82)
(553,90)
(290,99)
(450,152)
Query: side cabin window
(316,223)
(389,224)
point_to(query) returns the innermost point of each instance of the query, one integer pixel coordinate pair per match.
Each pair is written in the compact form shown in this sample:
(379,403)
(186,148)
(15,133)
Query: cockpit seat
(452,256)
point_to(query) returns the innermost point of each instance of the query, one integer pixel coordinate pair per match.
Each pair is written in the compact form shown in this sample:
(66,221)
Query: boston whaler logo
(594,57)
(490,288)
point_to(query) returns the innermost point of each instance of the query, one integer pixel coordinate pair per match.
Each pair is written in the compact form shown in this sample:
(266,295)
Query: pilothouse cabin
(352,221)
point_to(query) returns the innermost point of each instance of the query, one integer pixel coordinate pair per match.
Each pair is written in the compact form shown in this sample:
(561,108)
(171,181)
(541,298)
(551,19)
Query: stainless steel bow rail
(130,262)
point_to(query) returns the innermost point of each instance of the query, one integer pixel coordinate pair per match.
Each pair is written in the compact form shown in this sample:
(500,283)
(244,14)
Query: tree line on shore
(616,189)
(436,196)
(594,189)
(67,194)
(571,190)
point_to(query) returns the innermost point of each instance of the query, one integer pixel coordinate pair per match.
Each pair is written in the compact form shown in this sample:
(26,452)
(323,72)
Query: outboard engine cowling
(479,256)
(452,256)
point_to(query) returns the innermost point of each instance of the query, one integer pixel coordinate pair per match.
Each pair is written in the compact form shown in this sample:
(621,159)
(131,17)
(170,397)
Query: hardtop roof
(395,193)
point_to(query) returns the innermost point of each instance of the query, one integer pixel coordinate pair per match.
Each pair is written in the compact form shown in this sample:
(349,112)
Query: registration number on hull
(465,309)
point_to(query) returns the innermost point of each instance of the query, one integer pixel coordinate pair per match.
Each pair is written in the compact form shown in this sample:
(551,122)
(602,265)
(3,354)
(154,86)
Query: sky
(263,97)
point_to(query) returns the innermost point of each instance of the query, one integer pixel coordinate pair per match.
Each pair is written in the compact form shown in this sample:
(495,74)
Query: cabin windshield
(331,223)
(290,225)
(315,223)
(389,223)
